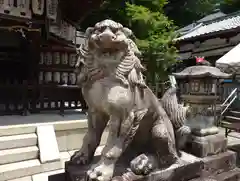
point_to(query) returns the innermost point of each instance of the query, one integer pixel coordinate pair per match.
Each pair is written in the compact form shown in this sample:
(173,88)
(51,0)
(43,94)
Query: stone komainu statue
(110,73)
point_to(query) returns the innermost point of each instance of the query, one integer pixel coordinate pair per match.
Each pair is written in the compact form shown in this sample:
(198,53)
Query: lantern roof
(201,71)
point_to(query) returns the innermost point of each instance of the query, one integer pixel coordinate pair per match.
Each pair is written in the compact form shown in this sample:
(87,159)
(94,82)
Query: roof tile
(214,26)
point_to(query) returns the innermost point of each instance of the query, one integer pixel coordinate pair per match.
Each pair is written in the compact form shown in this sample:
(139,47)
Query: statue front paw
(143,165)
(80,157)
(113,153)
(100,173)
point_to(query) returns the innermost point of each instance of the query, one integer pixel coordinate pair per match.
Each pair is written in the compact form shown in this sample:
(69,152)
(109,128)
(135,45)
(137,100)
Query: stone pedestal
(189,168)
(220,167)
(207,145)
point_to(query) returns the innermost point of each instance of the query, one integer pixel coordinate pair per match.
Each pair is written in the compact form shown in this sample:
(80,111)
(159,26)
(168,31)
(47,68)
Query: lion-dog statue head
(110,44)
(108,36)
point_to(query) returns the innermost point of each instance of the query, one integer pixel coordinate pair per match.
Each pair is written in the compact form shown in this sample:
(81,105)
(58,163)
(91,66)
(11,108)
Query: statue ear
(127,32)
(89,31)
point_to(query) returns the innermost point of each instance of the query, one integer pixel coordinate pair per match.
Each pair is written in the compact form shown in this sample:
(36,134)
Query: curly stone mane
(129,70)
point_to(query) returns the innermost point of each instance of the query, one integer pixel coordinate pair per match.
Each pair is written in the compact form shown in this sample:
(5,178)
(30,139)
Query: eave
(76,10)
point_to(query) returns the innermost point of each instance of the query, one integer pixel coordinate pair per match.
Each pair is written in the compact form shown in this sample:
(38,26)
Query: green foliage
(184,12)
(229,6)
(155,40)
(153,30)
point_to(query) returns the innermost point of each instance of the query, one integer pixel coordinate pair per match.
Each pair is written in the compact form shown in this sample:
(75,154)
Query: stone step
(18,141)
(235,113)
(80,123)
(47,169)
(232,119)
(45,176)
(26,168)
(28,178)
(17,130)
(18,154)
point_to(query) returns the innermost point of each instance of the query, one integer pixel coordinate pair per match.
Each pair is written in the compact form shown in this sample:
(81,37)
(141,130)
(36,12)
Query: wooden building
(37,55)
(211,38)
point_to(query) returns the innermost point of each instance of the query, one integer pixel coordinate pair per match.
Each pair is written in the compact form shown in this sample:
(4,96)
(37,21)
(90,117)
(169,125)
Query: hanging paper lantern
(38,7)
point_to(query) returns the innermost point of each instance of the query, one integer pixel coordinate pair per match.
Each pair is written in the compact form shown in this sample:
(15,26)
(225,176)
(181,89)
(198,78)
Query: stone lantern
(199,90)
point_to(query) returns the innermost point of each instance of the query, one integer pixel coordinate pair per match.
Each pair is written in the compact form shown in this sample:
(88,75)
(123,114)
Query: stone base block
(206,145)
(189,168)
(232,175)
(216,164)
(220,167)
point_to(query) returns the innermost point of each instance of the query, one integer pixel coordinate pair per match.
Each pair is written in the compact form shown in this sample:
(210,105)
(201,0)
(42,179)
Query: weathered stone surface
(29,178)
(232,175)
(219,163)
(47,144)
(236,148)
(220,167)
(44,176)
(207,145)
(110,74)
(18,154)
(190,168)
(18,141)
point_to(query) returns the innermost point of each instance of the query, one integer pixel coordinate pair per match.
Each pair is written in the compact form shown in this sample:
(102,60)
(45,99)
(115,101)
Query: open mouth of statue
(109,50)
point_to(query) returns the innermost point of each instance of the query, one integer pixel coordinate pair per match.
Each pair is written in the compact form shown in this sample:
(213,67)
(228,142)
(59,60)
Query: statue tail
(178,115)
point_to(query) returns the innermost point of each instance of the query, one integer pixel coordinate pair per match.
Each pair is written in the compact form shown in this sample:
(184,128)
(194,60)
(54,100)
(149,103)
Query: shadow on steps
(57,177)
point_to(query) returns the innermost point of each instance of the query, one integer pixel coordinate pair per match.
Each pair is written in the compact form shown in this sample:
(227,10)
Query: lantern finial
(199,59)
(202,61)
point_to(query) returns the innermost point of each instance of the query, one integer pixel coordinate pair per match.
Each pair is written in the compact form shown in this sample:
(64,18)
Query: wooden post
(34,39)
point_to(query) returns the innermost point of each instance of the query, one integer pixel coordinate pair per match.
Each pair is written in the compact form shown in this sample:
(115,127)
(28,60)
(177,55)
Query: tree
(184,12)
(153,30)
(156,41)
(229,6)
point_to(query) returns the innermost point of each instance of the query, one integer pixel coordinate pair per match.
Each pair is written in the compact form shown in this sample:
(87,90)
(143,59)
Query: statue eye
(103,28)
(114,30)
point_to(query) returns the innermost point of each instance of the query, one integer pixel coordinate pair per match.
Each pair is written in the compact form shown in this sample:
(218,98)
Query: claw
(100,173)
(79,158)
(142,165)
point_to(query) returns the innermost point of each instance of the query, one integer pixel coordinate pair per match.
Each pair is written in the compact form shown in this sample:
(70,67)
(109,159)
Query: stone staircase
(18,148)
(232,116)
(21,150)
(19,157)
(231,121)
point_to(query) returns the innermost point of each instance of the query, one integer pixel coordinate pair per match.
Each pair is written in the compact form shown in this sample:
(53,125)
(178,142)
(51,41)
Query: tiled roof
(196,24)
(221,24)
(211,17)
(187,28)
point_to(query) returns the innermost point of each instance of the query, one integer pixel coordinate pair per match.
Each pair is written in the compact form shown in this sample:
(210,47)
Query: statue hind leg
(96,125)
(164,144)
(164,149)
